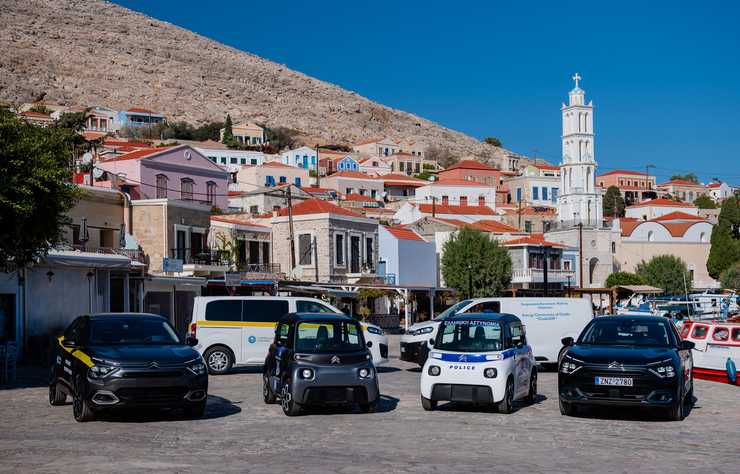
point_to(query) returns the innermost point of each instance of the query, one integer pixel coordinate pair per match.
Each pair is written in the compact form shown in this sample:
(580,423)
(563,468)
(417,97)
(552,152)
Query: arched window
(186,189)
(161,186)
(211,192)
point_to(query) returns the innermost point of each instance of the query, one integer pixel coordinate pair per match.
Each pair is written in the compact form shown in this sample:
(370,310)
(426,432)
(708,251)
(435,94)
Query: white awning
(73,258)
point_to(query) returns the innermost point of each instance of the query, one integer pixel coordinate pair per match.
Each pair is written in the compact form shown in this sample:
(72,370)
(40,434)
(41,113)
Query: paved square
(242,434)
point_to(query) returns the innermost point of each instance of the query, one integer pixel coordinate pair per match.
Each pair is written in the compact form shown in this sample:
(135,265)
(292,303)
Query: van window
(265,311)
(312,307)
(736,334)
(517,334)
(224,310)
(486,307)
(721,334)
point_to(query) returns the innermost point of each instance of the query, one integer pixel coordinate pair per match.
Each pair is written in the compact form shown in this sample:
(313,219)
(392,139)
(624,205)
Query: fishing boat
(717,349)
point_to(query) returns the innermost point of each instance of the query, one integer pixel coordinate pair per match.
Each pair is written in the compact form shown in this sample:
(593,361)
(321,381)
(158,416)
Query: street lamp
(470,280)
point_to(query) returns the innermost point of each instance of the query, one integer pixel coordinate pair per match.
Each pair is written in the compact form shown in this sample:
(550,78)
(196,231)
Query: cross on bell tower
(577,78)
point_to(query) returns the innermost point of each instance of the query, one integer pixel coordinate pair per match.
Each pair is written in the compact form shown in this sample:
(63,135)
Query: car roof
(298,317)
(637,317)
(498,317)
(95,316)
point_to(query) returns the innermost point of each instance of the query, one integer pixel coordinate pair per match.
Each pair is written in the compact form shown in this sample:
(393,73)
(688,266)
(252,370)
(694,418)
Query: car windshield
(452,309)
(328,337)
(626,332)
(131,331)
(469,336)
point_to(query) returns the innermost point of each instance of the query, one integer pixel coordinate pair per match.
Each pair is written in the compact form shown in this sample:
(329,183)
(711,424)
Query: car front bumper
(335,385)
(164,389)
(647,390)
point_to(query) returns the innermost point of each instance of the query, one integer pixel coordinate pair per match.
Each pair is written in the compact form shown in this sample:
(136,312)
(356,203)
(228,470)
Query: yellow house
(247,133)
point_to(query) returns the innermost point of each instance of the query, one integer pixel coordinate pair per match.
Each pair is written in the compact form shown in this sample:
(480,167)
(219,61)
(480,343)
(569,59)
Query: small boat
(717,350)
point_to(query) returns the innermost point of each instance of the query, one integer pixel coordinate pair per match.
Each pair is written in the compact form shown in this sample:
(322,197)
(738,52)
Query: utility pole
(434,206)
(290,226)
(580,252)
(546,251)
(318,174)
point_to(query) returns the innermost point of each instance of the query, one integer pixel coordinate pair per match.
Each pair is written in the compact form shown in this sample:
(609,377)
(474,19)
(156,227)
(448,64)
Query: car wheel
(428,404)
(267,394)
(56,396)
(290,407)
(196,410)
(218,360)
(532,395)
(676,411)
(371,407)
(560,356)
(567,409)
(81,407)
(506,405)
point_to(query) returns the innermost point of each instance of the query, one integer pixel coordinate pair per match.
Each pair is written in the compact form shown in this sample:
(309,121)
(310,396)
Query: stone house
(332,244)
(354,182)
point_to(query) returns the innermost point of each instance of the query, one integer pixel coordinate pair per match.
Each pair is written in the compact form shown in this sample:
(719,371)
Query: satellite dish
(87,158)
(97,173)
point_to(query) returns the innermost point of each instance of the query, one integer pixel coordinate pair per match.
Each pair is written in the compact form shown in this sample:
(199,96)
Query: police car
(480,358)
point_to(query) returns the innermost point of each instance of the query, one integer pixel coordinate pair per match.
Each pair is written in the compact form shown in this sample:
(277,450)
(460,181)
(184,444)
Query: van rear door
(223,325)
(260,317)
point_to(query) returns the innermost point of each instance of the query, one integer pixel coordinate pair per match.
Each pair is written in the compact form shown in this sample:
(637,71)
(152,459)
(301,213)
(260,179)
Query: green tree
(35,188)
(41,109)
(623,278)
(228,137)
(470,256)
(493,141)
(686,177)
(613,202)
(281,138)
(730,278)
(725,250)
(705,202)
(667,272)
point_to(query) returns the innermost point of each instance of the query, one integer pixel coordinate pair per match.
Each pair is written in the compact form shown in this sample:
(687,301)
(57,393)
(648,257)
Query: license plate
(614,381)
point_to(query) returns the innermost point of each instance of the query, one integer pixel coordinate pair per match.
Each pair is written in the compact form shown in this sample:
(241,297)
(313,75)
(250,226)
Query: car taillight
(193,329)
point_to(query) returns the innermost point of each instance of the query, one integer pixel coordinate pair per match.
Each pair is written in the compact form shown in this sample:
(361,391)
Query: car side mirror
(686,345)
(70,343)
(431,342)
(567,341)
(369,344)
(191,341)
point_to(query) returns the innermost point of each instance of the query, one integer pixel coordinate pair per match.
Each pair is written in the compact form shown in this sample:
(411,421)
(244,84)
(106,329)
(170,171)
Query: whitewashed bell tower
(579,200)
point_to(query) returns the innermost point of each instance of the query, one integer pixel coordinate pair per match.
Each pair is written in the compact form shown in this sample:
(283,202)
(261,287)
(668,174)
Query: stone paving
(241,434)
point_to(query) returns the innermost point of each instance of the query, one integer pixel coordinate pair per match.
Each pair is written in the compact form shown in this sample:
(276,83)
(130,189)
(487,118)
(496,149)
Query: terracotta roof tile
(350,174)
(318,206)
(678,215)
(546,166)
(471,165)
(241,219)
(681,182)
(629,172)
(137,154)
(494,227)
(458,210)
(395,179)
(535,240)
(277,164)
(403,233)
(459,182)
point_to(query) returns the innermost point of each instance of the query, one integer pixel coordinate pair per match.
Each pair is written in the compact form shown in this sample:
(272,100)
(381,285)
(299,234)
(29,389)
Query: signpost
(173,265)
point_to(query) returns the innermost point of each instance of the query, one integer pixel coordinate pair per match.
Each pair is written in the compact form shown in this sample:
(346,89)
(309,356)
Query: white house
(375,147)
(409,260)
(410,212)
(457,192)
(303,157)
(719,191)
(229,158)
(653,208)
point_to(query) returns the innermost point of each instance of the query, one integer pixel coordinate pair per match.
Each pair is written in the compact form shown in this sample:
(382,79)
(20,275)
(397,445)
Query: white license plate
(614,381)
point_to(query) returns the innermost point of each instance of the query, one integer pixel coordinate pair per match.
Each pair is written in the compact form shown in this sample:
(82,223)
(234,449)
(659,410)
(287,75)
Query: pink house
(177,172)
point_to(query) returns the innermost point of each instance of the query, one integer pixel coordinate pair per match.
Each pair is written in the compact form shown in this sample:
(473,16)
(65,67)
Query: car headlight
(197,367)
(306,374)
(663,369)
(434,370)
(365,373)
(101,371)
(569,365)
(421,331)
(374,330)
(490,373)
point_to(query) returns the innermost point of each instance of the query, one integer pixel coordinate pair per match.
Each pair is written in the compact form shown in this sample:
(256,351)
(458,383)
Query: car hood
(623,355)
(137,354)
(424,324)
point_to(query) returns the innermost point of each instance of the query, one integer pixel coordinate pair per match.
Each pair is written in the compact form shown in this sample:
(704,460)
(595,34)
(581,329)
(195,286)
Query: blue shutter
(535,193)
(298,181)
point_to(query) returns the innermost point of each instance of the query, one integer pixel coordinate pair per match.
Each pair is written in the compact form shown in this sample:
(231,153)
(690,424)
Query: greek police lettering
(461,367)
(470,322)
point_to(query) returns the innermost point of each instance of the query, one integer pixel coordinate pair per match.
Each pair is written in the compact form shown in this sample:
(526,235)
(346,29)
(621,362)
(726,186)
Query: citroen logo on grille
(616,365)
(153,365)
(335,360)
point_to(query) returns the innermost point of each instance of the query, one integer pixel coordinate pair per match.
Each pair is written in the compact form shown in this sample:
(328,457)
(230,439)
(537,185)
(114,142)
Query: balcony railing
(532,275)
(134,255)
(201,257)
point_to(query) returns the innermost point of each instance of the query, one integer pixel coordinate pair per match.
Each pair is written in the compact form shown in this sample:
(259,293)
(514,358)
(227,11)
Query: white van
(238,330)
(547,320)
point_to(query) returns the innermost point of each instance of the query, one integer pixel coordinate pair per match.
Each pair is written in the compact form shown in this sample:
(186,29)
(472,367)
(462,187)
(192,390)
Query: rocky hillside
(94,52)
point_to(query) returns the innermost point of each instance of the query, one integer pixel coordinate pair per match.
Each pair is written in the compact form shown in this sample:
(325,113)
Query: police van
(238,330)
(479,358)
(548,320)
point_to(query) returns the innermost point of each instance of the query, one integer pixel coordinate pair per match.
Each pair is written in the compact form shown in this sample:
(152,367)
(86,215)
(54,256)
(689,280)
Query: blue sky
(664,76)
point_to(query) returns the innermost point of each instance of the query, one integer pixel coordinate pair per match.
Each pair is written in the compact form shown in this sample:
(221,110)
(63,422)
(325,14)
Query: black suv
(116,360)
(319,359)
(629,361)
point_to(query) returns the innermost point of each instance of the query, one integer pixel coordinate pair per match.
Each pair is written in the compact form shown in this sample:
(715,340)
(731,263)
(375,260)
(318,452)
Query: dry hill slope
(94,52)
